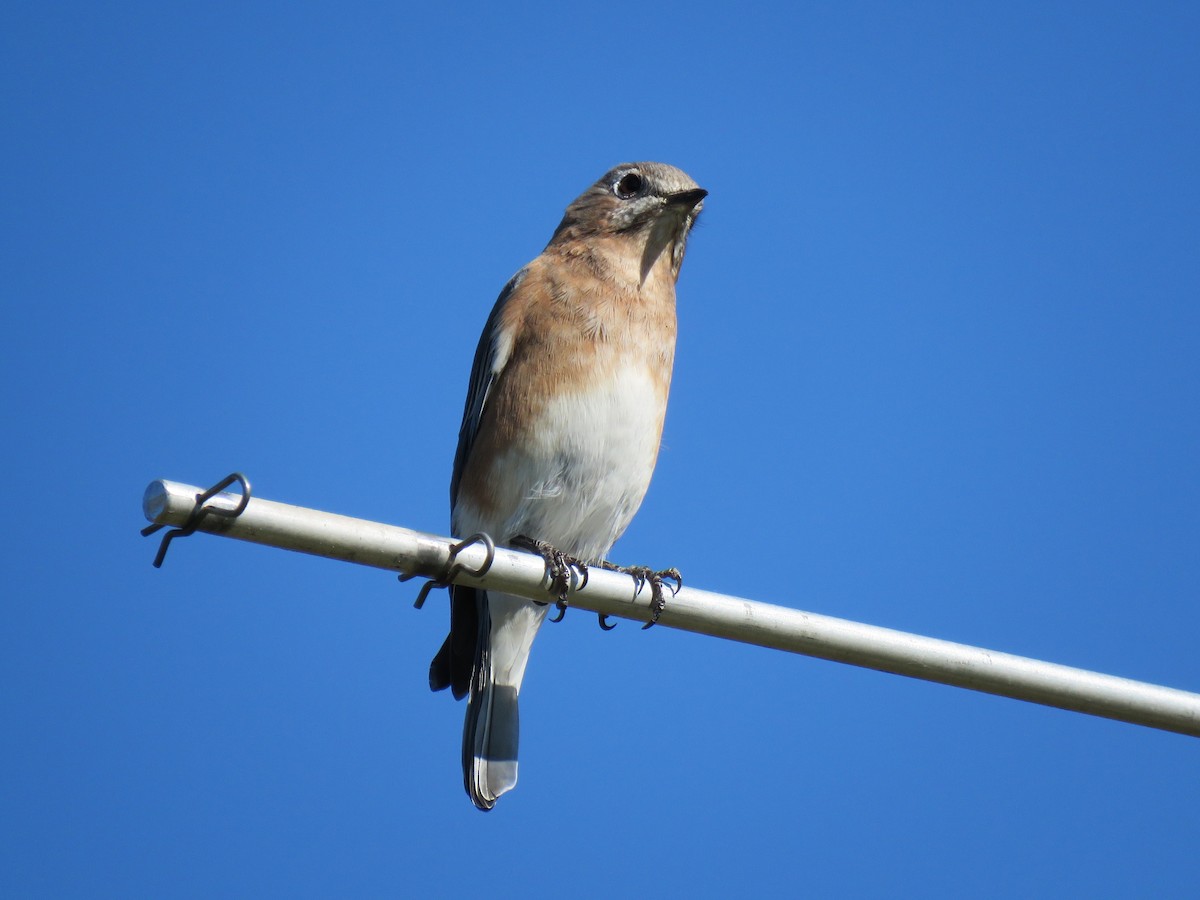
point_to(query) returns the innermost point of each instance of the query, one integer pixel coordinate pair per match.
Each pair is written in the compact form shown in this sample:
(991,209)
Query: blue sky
(938,370)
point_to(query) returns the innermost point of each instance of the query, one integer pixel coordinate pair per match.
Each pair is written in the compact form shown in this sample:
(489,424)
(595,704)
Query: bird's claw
(558,570)
(643,575)
(658,602)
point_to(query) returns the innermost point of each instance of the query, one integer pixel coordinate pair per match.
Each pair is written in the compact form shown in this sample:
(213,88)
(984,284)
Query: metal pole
(781,628)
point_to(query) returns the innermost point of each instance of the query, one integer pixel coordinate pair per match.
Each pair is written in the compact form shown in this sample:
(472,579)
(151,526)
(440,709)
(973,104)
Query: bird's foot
(558,569)
(643,575)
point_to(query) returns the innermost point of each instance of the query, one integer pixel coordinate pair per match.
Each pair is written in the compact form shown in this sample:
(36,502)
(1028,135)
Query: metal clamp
(454,567)
(199,511)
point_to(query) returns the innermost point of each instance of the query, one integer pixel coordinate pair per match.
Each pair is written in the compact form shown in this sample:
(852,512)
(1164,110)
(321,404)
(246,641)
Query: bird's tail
(507,627)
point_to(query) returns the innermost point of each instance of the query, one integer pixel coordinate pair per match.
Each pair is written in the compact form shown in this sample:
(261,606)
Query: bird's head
(652,205)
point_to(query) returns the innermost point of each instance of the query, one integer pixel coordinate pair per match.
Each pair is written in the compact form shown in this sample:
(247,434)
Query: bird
(561,431)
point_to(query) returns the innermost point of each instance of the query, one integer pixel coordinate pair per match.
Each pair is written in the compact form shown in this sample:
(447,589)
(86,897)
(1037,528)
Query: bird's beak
(687,199)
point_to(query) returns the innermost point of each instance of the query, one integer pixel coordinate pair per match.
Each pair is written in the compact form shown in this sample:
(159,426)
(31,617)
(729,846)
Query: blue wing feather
(454,662)
(483,373)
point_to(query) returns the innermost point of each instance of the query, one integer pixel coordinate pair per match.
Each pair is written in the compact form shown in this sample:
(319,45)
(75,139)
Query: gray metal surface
(781,628)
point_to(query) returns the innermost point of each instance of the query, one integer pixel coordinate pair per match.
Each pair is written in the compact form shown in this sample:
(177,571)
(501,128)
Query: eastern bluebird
(561,428)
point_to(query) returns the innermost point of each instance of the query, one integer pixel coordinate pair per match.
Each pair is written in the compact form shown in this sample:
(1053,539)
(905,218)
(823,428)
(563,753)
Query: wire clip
(454,567)
(199,511)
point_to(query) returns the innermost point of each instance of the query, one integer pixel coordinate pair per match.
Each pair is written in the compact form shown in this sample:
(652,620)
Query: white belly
(579,480)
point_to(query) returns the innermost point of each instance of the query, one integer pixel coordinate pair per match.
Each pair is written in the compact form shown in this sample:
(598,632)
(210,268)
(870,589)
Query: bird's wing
(495,347)
(455,661)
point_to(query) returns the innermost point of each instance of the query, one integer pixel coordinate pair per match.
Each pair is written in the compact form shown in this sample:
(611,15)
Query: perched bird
(561,429)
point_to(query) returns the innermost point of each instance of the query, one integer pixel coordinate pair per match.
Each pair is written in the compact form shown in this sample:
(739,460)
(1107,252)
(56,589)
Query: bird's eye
(629,186)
